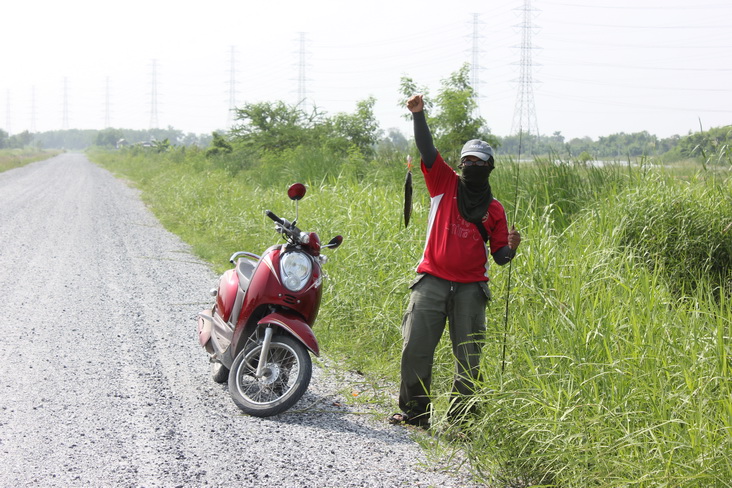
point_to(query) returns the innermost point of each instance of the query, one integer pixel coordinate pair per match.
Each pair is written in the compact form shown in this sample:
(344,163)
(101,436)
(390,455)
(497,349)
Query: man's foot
(404,419)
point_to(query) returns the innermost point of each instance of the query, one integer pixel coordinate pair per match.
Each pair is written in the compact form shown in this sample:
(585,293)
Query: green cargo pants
(432,302)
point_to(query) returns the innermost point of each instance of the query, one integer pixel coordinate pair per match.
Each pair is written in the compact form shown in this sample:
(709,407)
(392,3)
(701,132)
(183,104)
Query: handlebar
(285,227)
(274,217)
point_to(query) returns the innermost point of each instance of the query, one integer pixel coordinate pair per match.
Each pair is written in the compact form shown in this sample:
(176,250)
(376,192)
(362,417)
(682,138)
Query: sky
(594,67)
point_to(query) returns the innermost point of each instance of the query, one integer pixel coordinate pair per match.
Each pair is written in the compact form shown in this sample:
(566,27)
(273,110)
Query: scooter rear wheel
(286,377)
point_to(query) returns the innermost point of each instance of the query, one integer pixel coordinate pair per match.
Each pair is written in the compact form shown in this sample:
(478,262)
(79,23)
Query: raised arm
(422,135)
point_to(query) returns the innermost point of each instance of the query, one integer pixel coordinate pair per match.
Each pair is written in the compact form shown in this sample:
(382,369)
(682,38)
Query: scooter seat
(244,270)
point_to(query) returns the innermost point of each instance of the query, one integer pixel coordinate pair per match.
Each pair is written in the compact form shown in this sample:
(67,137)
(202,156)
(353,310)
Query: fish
(408,193)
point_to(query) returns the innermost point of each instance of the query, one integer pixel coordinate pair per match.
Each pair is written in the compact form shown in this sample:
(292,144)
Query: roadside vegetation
(618,336)
(14,158)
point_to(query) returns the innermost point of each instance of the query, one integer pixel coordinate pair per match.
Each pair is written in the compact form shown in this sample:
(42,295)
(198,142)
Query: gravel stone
(102,380)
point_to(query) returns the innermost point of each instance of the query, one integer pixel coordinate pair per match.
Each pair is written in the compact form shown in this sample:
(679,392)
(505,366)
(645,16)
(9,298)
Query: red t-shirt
(454,249)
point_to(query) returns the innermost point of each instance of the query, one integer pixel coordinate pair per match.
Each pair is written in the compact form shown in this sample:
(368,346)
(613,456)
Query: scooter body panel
(267,288)
(295,326)
(226,296)
(205,325)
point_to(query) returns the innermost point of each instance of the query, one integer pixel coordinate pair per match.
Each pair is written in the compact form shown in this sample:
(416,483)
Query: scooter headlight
(295,269)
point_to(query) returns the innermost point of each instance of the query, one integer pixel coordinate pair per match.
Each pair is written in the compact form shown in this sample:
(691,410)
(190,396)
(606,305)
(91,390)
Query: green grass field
(619,332)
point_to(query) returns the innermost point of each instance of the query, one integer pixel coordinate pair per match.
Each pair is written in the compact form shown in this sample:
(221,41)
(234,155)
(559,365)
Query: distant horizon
(384,134)
(591,69)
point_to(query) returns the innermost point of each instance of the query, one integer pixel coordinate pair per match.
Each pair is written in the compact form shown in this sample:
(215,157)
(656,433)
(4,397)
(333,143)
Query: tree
(557,138)
(275,126)
(219,145)
(712,145)
(408,87)
(393,142)
(108,137)
(579,146)
(622,145)
(161,146)
(455,121)
(171,134)
(20,140)
(361,128)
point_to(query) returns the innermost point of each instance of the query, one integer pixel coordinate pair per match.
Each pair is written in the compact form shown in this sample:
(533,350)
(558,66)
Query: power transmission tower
(7,113)
(524,115)
(33,109)
(302,91)
(475,63)
(106,105)
(232,88)
(154,96)
(65,116)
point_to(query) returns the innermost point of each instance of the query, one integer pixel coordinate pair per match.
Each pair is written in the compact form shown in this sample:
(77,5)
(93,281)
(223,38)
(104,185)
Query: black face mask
(476,177)
(474,192)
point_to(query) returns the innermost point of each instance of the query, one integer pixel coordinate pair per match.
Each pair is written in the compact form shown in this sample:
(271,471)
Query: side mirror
(335,242)
(296,191)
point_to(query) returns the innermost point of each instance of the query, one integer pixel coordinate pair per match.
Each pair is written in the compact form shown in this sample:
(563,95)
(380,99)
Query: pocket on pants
(407,322)
(416,281)
(486,289)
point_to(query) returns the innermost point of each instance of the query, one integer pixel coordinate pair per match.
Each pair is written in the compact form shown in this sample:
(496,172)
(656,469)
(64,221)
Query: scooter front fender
(295,326)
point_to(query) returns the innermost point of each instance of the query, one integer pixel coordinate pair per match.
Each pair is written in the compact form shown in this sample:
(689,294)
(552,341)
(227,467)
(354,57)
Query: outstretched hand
(415,103)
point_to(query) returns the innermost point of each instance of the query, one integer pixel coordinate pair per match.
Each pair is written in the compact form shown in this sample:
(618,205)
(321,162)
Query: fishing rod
(510,263)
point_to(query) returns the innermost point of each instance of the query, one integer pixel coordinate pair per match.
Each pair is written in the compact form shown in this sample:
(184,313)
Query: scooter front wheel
(286,376)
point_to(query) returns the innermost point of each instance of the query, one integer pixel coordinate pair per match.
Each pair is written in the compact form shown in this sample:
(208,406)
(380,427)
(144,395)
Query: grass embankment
(14,158)
(619,338)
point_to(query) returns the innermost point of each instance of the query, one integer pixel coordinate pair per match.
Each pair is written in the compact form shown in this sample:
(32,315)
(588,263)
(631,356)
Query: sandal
(404,419)
(399,418)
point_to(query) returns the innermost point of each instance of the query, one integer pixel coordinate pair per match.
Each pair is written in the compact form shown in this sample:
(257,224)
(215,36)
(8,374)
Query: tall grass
(612,379)
(615,375)
(14,158)
(683,227)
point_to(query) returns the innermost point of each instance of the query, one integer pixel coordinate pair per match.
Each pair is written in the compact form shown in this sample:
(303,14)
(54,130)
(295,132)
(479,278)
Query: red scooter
(259,331)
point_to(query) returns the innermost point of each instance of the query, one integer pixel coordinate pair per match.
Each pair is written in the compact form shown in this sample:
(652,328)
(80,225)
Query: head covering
(479,149)
(474,193)
(474,190)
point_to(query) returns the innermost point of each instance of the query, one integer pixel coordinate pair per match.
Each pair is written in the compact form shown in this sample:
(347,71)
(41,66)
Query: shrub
(682,227)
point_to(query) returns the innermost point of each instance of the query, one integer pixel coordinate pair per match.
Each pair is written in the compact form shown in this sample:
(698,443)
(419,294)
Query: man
(452,282)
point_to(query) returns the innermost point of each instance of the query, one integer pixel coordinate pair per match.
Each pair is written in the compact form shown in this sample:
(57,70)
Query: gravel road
(102,381)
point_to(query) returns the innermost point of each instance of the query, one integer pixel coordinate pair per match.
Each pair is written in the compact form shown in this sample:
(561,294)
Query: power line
(154,96)
(661,7)
(232,87)
(634,86)
(649,68)
(302,91)
(620,103)
(65,111)
(475,64)
(647,27)
(107,117)
(33,109)
(7,113)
